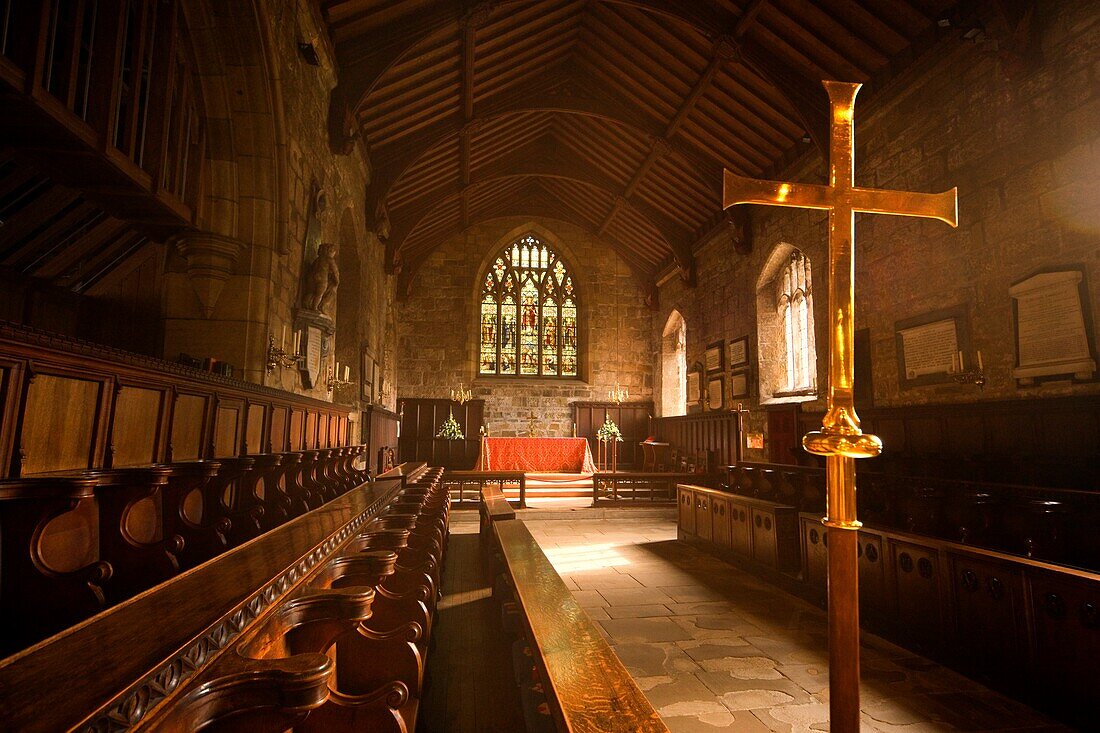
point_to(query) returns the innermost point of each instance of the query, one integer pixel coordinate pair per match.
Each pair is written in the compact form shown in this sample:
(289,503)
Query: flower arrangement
(450,429)
(609,431)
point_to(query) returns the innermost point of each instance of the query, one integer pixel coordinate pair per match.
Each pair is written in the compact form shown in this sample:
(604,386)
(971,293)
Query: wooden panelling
(714,432)
(226,430)
(279,417)
(310,439)
(740,529)
(633,419)
(686,502)
(720,522)
(420,421)
(297,429)
(83,395)
(254,430)
(989,617)
(322,431)
(1042,523)
(704,527)
(379,431)
(1027,627)
(918,579)
(187,427)
(1050,442)
(1066,613)
(135,428)
(60,430)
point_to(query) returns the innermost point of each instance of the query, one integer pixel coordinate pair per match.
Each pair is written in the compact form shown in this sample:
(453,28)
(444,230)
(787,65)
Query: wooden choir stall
(185,551)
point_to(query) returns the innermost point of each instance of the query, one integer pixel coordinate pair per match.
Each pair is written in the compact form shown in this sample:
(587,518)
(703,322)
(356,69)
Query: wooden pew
(240,642)
(186,512)
(587,688)
(494,507)
(40,595)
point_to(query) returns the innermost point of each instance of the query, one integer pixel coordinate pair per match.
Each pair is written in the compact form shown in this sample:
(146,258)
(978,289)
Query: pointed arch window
(528,313)
(793,301)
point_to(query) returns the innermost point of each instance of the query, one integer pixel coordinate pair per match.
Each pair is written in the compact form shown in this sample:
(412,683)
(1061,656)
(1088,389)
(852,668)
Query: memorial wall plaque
(1051,338)
(928,347)
(311,370)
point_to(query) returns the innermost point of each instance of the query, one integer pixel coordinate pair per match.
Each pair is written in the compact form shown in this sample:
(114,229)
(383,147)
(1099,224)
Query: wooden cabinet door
(872,577)
(989,618)
(816,567)
(763,537)
(916,575)
(702,516)
(740,534)
(1067,640)
(687,509)
(720,521)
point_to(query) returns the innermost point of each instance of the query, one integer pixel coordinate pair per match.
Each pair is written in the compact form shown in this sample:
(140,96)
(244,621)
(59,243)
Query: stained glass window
(528,313)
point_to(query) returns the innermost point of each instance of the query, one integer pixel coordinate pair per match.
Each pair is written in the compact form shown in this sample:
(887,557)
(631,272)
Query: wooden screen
(420,421)
(631,417)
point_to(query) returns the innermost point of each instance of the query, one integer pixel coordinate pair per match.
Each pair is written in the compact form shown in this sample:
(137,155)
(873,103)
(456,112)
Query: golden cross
(840,439)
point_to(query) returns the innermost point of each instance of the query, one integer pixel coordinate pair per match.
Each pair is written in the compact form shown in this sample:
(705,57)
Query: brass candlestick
(840,439)
(278,357)
(333,381)
(962,375)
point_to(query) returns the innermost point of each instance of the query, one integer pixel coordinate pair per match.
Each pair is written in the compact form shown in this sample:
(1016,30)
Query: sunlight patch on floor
(583,558)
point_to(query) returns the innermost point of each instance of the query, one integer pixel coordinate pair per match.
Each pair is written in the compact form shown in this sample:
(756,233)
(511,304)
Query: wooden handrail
(590,689)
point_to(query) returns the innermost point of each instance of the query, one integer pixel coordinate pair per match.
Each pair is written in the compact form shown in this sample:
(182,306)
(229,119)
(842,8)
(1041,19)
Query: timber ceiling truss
(615,115)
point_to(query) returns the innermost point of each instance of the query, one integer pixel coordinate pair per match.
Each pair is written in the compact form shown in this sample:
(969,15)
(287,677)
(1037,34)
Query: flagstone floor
(713,648)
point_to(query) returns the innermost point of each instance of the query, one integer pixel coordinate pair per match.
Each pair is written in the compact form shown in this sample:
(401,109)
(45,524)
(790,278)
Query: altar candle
(981,366)
(962,362)
(954,363)
(282,342)
(347,373)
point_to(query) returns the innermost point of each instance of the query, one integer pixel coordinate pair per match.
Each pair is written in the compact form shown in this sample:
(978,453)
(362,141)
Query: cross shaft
(840,439)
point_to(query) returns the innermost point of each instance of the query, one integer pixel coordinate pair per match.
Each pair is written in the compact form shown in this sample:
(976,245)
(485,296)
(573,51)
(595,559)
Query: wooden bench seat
(110,534)
(585,686)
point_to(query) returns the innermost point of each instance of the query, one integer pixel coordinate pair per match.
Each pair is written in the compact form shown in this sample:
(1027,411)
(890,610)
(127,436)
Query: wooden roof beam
(725,48)
(469,26)
(388,171)
(506,169)
(524,204)
(365,59)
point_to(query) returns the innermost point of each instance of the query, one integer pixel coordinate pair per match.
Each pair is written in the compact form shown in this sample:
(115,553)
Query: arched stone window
(674,366)
(785,327)
(528,313)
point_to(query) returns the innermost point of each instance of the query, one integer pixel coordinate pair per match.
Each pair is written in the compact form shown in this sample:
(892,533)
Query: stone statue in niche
(322,279)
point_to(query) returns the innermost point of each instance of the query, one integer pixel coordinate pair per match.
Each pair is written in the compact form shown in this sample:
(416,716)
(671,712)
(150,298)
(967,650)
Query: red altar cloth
(546,455)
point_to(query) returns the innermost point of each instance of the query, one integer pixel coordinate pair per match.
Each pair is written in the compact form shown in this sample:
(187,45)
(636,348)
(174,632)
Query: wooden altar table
(536,455)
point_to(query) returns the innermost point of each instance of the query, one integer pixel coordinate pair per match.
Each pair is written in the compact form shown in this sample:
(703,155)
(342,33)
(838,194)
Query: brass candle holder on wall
(278,357)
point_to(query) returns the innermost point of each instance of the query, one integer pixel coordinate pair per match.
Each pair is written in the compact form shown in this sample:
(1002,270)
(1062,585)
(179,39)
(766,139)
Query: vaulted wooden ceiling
(617,115)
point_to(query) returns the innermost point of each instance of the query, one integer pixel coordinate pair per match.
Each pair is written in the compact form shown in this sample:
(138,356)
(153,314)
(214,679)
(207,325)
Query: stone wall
(269,153)
(437,329)
(1025,155)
